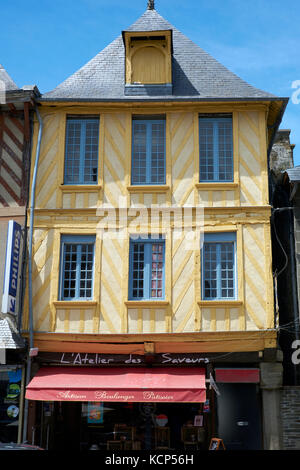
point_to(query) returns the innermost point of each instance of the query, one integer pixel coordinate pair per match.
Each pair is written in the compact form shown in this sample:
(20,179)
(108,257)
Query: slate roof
(8,81)
(196,75)
(9,335)
(293,174)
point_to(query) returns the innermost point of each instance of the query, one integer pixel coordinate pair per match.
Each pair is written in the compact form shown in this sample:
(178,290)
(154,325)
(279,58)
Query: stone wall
(290,416)
(281,156)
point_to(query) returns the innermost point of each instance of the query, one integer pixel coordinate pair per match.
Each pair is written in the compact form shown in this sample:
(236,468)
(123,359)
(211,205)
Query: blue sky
(43,42)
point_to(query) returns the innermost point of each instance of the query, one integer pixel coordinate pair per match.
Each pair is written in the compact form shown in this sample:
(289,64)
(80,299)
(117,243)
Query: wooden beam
(149,348)
(202,347)
(72,347)
(210,346)
(12,107)
(1,135)
(158,337)
(26,122)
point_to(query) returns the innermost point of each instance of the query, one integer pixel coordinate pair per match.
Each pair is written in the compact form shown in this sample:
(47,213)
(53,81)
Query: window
(216,149)
(219,266)
(77,266)
(81,157)
(148,151)
(146,269)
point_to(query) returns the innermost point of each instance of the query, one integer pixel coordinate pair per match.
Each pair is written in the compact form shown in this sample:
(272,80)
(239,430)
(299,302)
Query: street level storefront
(116,402)
(124,402)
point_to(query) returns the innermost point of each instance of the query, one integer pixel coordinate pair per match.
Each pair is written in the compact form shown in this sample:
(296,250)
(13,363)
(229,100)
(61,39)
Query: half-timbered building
(152,288)
(15,136)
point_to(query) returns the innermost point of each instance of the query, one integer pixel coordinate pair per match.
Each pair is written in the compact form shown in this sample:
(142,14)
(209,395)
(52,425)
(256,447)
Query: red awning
(118,384)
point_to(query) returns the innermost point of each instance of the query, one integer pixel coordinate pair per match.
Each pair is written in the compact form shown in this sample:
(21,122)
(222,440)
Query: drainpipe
(30,244)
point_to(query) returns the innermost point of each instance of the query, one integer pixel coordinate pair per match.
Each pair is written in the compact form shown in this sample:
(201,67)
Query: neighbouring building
(285,200)
(15,135)
(152,301)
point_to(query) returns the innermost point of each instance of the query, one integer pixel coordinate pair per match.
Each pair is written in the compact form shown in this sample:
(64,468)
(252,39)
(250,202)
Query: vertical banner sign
(13,247)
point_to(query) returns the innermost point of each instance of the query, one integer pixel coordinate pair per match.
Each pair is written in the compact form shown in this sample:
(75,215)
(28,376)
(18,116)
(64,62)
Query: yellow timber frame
(240,206)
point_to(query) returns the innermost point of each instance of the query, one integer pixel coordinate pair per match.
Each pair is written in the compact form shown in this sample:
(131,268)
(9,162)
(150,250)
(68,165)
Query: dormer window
(148,62)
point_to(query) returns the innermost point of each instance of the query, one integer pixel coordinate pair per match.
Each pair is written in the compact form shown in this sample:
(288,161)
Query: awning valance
(240,375)
(118,384)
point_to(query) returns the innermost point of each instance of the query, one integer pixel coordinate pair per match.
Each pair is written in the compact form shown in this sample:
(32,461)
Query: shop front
(11,411)
(118,402)
(166,401)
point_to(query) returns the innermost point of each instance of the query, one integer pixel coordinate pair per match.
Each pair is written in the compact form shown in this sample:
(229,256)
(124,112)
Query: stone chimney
(281,156)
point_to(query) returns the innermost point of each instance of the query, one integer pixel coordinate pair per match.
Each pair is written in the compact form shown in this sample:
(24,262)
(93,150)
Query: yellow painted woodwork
(240,206)
(148,65)
(148,60)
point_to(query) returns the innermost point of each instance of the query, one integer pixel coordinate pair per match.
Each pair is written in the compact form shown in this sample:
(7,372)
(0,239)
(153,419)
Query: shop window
(77,266)
(219,266)
(216,149)
(10,394)
(148,151)
(81,151)
(146,265)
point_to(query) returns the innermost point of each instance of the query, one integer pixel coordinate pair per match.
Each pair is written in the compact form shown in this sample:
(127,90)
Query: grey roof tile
(293,174)
(7,80)
(196,74)
(9,335)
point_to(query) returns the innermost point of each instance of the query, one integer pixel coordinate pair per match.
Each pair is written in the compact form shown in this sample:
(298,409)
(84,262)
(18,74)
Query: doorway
(239,416)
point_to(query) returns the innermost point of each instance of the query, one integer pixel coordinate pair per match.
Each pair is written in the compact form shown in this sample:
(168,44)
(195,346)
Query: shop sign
(95,359)
(184,396)
(13,247)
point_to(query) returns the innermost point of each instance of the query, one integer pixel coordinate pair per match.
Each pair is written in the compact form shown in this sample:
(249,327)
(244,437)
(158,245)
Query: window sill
(220,303)
(151,188)
(80,188)
(74,303)
(216,185)
(146,303)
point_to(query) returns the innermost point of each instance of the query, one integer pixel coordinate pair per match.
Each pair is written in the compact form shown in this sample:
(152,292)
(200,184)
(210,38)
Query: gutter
(162,99)
(30,246)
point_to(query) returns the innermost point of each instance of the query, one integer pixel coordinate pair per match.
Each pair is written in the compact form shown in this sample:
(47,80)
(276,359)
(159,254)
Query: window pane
(147,270)
(225,151)
(69,277)
(81,159)
(157,270)
(139,153)
(86,269)
(77,278)
(227,270)
(138,270)
(72,161)
(148,152)
(158,154)
(210,270)
(206,151)
(91,152)
(216,149)
(219,270)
